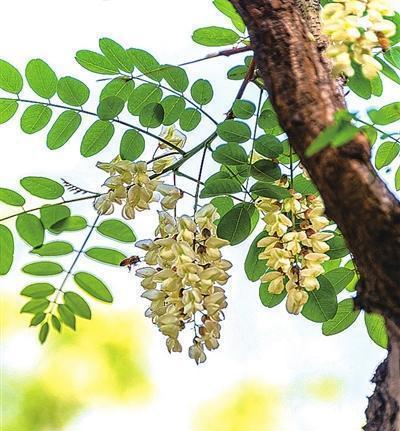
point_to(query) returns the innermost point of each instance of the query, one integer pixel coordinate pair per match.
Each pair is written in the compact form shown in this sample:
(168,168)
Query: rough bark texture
(305,97)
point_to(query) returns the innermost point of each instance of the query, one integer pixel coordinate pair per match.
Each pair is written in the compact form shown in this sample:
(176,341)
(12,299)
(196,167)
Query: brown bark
(305,97)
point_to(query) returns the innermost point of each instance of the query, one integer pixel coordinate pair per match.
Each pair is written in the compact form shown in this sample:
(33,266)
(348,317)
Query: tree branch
(305,97)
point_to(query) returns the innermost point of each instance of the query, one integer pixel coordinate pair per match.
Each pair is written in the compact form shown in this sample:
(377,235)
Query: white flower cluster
(176,138)
(183,279)
(295,246)
(130,184)
(355,28)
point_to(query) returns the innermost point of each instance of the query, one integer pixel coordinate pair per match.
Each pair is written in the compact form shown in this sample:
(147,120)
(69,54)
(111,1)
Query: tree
(298,253)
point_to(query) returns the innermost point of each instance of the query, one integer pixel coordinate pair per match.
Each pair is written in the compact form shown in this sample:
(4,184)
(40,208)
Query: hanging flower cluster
(355,28)
(130,184)
(295,246)
(183,279)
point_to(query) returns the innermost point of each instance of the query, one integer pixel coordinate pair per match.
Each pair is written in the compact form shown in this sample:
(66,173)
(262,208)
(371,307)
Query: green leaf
(145,63)
(243,109)
(338,247)
(345,316)
(142,96)
(254,267)
(10,197)
(234,131)
(41,78)
(189,119)
(8,108)
(152,115)
(388,71)
(66,316)
(226,7)
(387,114)
(72,91)
(393,56)
(173,108)
(270,191)
(268,121)
(70,224)
(202,92)
(35,118)
(93,286)
(96,138)
(235,225)
(95,62)
(44,332)
(38,290)
(37,319)
(322,303)
(116,54)
(396,19)
(176,77)
(304,186)
(43,268)
(41,187)
(223,204)
(377,86)
(386,153)
(215,36)
(35,306)
(10,79)
(6,250)
(237,73)
(220,186)
(30,229)
(118,87)
(63,129)
(359,84)
(117,230)
(55,323)
(339,278)
(265,171)
(376,329)
(110,107)
(397,179)
(77,305)
(132,145)
(106,255)
(51,214)
(230,154)
(268,146)
(55,248)
(270,300)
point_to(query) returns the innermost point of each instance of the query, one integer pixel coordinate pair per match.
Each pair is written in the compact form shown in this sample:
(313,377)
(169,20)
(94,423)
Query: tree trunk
(305,97)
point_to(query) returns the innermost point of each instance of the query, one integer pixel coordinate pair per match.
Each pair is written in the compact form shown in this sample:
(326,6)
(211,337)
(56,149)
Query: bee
(130,261)
(384,42)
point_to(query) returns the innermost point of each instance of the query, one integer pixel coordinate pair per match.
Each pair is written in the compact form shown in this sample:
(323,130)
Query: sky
(268,360)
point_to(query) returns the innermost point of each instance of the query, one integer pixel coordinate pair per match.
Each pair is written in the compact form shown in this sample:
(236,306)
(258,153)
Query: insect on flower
(130,261)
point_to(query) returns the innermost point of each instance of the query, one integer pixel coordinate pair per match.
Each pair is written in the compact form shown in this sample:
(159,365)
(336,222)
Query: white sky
(261,344)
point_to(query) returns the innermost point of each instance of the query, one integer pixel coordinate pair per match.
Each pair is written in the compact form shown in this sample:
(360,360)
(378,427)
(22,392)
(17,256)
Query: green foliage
(35,118)
(215,36)
(152,115)
(386,115)
(77,305)
(116,54)
(96,138)
(72,91)
(8,108)
(132,145)
(386,153)
(265,171)
(6,250)
(173,107)
(234,131)
(10,79)
(69,224)
(202,92)
(95,62)
(63,129)
(110,107)
(145,63)
(43,268)
(235,225)
(243,109)
(38,290)
(189,119)
(41,78)
(230,154)
(55,248)
(226,7)
(270,300)
(376,329)
(322,303)
(41,187)
(253,266)
(176,77)
(340,278)
(119,87)
(30,229)
(52,214)
(142,96)
(106,255)
(345,316)
(93,286)
(10,197)
(268,190)
(117,230)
